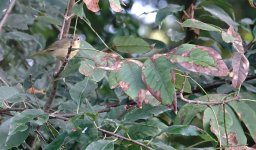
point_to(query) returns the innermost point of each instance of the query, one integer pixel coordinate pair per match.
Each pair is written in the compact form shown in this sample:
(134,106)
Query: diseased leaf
(213,121)
(129,79)
(179,83)
(92,5)
(88,69)
(237,41)
(199,59)
(240,66)
(247,115)
(164,12)
(156,75)
(131,44)
(193,23)
(115,5)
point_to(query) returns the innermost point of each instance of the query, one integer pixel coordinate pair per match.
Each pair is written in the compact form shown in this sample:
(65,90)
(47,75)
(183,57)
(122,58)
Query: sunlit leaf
(240,65)
(220,14)
(131,44)
(252,3)
(156,75)
(199,59)
(193,23)
(115,5)
(92,5)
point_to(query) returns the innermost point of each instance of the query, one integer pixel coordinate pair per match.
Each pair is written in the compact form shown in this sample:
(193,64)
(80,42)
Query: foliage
(187,81)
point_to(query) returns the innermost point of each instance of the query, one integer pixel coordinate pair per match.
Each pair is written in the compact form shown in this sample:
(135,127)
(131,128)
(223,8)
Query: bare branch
(124,138)
(7,13)
(64,31)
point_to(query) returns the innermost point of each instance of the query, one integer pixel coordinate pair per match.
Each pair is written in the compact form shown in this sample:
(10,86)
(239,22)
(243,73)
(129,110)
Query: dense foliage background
(155,74)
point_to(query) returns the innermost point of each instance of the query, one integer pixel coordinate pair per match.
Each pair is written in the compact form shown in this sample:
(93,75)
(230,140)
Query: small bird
(60,48)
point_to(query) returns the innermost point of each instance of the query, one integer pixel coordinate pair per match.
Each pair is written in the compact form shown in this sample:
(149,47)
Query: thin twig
(211,102)
(124,138)
(7,13)
(67,20)
(64,31)
(11,109)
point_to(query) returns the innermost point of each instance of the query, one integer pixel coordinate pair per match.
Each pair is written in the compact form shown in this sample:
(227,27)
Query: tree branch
(124,138)
(64,31)
(7,13)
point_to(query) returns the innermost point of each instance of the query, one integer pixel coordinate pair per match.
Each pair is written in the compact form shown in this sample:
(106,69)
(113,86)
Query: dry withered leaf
(34,90)
(237,41)
(92,5)
(240,66)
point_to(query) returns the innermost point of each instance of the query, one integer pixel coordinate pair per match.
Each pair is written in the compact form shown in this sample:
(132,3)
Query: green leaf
(4,129)
(17,138)
(7,92)
(220,14)
(20,120)
(101,145)
(162,146)
(227,37)
(179,84)
(57,142)
(81,90)
(116,113)
(89,69)
(146,129)
(19,21)
(78,10)
(130,44)
(187,113)
(147,111)
(156,74)
(193,23)
(190,130)
(112,80)
(247,115)
(169,10)
(129,79)
(71,67)
(48,20)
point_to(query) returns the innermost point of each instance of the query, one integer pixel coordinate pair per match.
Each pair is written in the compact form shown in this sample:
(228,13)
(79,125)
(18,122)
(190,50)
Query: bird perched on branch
(60,48)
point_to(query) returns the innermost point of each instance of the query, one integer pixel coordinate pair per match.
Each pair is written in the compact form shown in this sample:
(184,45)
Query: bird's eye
(78,39)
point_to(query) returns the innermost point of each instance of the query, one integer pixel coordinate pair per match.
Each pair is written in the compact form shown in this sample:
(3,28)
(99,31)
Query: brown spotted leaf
(129,79)
(156,75)
(237,40)
(199,59)
(92,5)
(240,66)
(116,5)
